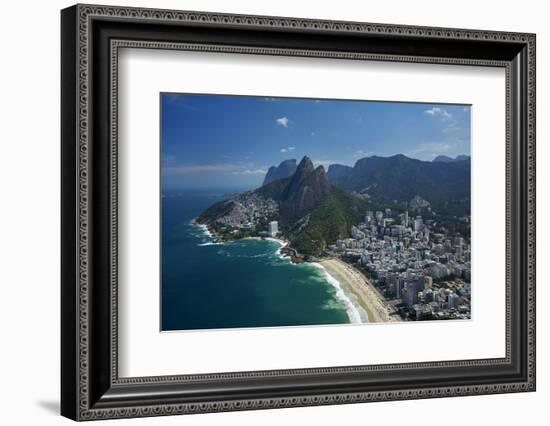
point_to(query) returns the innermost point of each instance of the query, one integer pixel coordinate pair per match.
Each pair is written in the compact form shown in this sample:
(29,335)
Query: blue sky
(231,141)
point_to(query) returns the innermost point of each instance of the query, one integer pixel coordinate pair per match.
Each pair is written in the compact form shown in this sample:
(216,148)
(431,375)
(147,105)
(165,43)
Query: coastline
(367,307)
(204,228)
(355,282)
(356,313)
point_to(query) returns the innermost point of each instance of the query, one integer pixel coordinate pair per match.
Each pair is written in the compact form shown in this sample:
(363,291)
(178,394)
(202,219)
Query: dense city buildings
(245,211)
(424,274)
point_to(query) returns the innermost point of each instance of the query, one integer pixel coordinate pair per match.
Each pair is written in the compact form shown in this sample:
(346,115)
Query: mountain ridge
(401,178)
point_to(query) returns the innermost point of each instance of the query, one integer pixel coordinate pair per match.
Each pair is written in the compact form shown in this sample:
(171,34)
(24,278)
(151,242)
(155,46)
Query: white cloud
(439,112)
(251,172)
(283,121)
(235,169)
(451,125)
(362,153)
(429,149)
(288,149)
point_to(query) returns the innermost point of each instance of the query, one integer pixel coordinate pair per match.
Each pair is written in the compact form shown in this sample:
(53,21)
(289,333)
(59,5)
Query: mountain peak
(305,189)
(285,169)
(306,165)
(400,156)
(286,163)
(302,171)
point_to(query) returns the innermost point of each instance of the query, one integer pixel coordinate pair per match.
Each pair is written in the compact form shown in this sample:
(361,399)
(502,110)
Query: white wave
(279,253)
(283,256)
(204,229)
(353,311)
(209,243)
(276,240)
(282,244)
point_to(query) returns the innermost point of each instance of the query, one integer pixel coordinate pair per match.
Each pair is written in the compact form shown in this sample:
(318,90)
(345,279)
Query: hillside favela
(404,257)
(306,212)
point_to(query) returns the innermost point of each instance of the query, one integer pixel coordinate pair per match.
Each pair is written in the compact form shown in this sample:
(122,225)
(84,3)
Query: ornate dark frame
(91,37)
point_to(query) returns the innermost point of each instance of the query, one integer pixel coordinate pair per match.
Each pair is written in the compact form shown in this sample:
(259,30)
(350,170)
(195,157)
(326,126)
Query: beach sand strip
(377,309)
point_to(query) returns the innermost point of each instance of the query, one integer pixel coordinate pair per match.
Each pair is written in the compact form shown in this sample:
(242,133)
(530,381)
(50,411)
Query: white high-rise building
(273,228)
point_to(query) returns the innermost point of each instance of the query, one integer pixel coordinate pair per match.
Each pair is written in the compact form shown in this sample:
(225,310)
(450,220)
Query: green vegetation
(331,219)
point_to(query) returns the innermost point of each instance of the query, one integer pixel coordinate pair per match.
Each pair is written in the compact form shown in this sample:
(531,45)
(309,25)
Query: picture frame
(90,384)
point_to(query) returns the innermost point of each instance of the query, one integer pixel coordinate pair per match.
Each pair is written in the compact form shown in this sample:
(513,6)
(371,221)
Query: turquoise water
(245,283)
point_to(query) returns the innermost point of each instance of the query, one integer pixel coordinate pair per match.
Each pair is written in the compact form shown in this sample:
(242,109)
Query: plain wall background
(29,213)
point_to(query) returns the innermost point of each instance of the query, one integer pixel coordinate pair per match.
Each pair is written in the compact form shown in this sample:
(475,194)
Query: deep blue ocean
(244,283)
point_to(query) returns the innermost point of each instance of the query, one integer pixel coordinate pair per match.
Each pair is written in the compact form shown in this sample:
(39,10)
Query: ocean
(244,283)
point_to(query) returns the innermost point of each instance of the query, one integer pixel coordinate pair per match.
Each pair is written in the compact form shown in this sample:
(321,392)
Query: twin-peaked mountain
(311,211)
(304,189)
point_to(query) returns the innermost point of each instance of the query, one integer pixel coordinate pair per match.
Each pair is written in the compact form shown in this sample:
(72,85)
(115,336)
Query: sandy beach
(370,300)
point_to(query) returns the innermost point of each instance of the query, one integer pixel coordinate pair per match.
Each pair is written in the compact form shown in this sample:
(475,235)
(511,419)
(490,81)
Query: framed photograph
(263,212)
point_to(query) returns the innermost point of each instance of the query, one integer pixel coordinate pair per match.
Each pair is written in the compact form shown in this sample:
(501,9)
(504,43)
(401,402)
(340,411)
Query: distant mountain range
(401,178)
(285,169)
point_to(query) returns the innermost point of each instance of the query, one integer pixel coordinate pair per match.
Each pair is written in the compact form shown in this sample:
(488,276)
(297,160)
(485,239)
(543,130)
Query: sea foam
(282,244)
(204,229)
(352,310)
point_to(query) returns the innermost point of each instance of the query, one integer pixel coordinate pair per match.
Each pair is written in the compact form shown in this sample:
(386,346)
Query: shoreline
(376,308)
(355,311)
(204,228)
(341,276)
